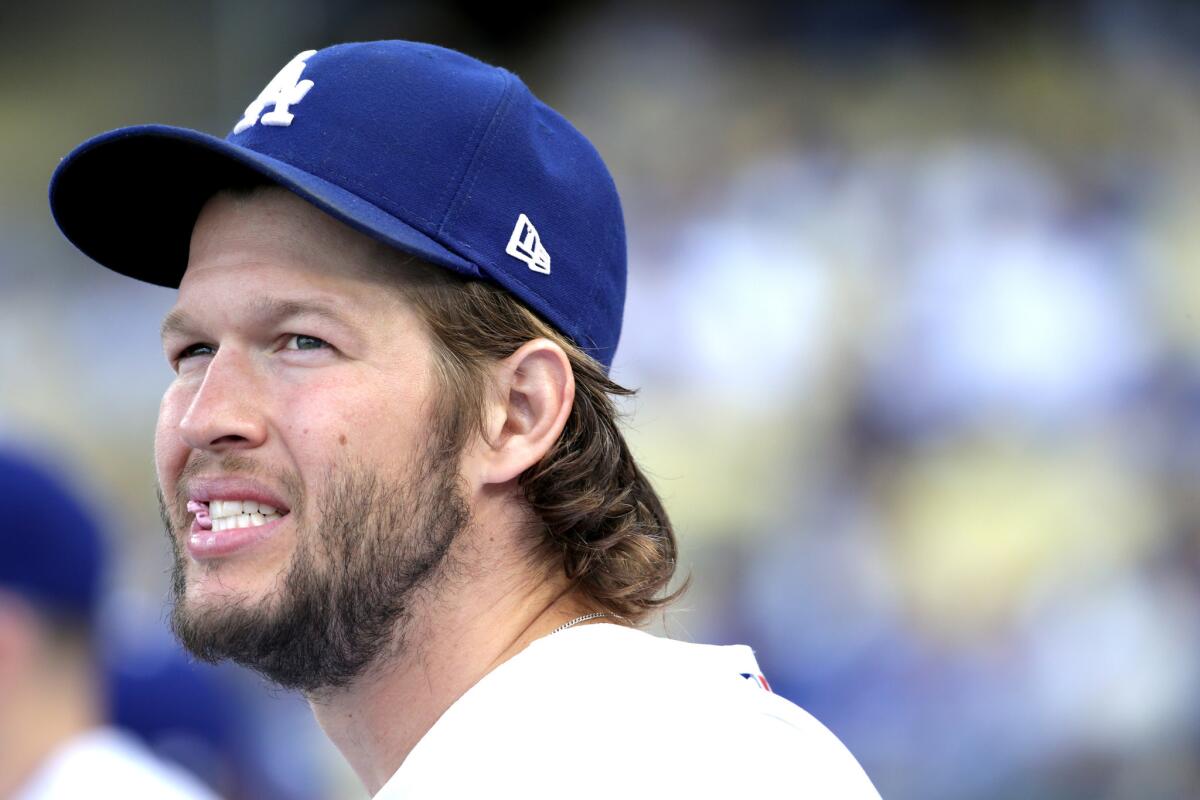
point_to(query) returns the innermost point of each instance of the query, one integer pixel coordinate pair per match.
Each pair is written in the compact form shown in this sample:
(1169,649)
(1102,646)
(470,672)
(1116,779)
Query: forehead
(270,236)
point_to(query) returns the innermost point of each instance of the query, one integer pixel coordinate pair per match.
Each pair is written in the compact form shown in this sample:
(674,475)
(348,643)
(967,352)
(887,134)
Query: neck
(465,633)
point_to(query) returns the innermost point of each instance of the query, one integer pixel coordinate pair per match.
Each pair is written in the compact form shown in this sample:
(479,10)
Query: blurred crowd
(916,326)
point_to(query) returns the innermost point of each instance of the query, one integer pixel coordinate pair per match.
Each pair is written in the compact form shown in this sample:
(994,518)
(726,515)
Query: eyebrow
(266,310)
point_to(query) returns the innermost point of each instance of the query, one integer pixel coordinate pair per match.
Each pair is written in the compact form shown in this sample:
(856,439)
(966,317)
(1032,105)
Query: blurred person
(389,463)
(192,714)
(54,739)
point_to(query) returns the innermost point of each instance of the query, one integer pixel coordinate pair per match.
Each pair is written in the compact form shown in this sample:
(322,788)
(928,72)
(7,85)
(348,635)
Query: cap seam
(435,227)
(358,185)
(472,173)
(463,169)
(351,184)
(327,173)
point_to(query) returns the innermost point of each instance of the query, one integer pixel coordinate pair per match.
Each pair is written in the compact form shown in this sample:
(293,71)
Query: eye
(198,349)
(302,341)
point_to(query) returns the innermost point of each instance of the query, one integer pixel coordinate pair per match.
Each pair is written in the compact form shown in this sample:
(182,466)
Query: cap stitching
(447,196)
(349,184)
(436,228)
(472,172)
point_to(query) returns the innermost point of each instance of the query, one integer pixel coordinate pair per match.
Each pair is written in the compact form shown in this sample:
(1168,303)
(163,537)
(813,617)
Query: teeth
(230,514)
(224,508)
(243,521)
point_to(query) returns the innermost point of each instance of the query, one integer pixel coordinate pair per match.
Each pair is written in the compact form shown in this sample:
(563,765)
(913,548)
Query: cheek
(170,452)
(375,422)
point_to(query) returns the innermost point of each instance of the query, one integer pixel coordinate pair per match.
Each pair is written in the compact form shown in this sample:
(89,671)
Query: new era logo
(526,245)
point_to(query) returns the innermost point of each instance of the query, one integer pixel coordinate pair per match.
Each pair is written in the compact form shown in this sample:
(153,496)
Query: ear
(534,392)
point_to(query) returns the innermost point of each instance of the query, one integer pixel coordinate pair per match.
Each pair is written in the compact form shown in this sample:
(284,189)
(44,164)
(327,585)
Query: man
(389,463)
(54,742)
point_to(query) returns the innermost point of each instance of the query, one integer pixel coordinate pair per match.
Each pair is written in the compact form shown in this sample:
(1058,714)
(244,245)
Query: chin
(219,586)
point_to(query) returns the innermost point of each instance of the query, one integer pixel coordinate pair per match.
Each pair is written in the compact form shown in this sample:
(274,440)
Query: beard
(346,597)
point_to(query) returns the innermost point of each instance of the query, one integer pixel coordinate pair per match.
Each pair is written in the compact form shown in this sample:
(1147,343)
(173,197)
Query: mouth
(225,522)
(223,515)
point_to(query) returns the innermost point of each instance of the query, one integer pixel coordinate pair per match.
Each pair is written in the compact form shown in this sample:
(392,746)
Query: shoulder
(630,709)
(108,763)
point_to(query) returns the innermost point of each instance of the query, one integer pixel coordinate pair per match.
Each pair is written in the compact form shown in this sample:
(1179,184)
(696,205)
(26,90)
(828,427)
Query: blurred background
(913,310)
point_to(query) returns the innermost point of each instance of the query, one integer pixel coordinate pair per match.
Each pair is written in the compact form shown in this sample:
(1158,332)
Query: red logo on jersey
(759,679)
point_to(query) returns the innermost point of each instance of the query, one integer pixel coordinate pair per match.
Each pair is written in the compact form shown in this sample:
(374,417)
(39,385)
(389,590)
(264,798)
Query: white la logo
(284,90)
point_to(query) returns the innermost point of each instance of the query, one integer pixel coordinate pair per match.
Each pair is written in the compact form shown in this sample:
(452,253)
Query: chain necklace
(577,620)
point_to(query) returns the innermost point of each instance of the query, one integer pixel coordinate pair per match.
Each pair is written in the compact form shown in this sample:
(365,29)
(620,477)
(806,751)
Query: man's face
(305,488)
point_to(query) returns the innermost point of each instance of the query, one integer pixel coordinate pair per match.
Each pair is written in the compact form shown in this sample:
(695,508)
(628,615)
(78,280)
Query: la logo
(285,89)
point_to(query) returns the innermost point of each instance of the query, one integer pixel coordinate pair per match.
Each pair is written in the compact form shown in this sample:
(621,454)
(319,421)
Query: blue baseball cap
(53,552)
(425,149)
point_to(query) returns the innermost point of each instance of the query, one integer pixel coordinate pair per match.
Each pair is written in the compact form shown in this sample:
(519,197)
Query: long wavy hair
(602,523)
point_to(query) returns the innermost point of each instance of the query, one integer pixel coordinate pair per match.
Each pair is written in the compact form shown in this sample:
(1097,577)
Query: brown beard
(348,591)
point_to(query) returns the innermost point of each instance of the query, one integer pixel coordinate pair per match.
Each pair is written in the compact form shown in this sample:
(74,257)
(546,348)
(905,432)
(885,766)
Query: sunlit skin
(292,393)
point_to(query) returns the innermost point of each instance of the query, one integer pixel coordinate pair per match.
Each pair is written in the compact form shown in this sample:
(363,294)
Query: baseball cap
(53,551)
(423,148)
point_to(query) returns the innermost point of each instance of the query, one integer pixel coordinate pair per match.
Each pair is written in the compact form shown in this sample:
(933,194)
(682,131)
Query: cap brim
(128,199)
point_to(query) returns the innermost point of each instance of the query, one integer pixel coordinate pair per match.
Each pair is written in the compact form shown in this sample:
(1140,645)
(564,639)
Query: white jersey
(605,711)
(106,764)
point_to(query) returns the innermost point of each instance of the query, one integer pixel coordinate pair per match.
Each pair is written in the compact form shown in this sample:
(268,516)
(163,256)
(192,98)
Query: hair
(602,523)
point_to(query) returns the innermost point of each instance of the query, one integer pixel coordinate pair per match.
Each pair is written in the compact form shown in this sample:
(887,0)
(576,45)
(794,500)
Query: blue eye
(301,341)
(199,349)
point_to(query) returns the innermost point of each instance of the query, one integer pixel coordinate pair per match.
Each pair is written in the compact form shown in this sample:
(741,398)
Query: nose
(223,415)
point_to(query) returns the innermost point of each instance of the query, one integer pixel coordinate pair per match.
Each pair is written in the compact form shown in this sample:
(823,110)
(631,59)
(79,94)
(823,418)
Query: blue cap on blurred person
(425,149)
(53,553)
(185,711)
